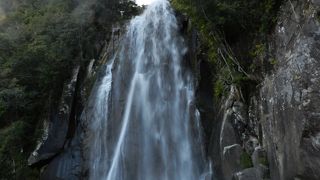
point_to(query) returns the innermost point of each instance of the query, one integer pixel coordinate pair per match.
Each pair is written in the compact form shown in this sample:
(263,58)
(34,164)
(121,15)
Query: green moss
(263,161)
(220,23)
(245,160)
(218,88)
(253,67)
(239,78)
(258,50)
(273,61)
(198,21)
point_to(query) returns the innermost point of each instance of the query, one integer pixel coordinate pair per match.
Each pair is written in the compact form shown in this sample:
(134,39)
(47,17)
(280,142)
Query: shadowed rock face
(68,162)
(282,120)
(56,128)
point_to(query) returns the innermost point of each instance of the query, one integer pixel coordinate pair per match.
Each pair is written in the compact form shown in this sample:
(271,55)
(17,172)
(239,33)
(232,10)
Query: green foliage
(233,16)
(40,43)
(199,22)
(264,161)
(231,20)
(12,152)
(273,61)
(219,88)
(258,50)
(245,160)
(239,78)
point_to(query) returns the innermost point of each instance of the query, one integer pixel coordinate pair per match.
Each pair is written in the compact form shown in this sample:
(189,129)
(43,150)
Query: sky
(144,2)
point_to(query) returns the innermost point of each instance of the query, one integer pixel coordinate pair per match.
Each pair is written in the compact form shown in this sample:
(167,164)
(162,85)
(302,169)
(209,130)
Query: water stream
(143,122)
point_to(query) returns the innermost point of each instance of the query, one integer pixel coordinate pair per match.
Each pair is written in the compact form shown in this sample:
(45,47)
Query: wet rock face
(67,164)
(60,151)
(290,97)
(56,128)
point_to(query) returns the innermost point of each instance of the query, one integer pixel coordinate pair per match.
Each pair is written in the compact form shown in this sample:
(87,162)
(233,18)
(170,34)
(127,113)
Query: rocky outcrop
(59,153)
(56,129)
(290,97)
(67,164)
(248,174)
(230,150)
(278,127)
(239,149)
(231,160)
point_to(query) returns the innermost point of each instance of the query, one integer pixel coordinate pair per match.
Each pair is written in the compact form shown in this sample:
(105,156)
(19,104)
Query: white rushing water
(144,2)
(142,119)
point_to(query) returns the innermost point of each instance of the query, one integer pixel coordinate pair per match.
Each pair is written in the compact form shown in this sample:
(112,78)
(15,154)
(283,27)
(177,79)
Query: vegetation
(245,160)
(40,43)
(222,24)
(219,90)
(264,161)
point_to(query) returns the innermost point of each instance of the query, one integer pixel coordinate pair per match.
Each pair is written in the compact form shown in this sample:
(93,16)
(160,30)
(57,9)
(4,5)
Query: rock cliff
(276,133)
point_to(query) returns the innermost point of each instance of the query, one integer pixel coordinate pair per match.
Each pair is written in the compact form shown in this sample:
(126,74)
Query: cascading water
(143,124)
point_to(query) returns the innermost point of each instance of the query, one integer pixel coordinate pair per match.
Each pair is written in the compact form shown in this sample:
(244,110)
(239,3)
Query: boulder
(57,126)
(231,160)
(248,174)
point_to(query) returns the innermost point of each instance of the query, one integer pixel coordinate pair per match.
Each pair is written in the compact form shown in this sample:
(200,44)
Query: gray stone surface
(67,165)
(230,148)
(56,128)
(257,156)
(251,144)
(284,114)
(248,174)
(231,160)
(290,97)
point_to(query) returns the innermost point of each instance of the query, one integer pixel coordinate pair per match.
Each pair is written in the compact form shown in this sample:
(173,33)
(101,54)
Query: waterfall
(142,120)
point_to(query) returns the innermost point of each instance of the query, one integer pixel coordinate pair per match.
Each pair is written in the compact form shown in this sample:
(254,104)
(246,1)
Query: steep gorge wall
(290,96)
(276,133)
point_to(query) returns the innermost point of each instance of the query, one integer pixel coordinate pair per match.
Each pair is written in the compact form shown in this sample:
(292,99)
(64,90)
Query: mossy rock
(245,160)
(263,161)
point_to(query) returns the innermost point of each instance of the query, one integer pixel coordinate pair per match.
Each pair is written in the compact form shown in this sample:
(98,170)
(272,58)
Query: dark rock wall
(59,153)
(56,128)
(276,134)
